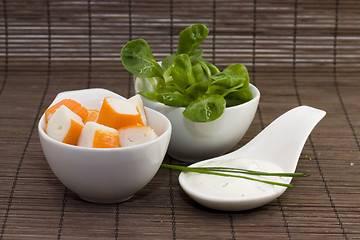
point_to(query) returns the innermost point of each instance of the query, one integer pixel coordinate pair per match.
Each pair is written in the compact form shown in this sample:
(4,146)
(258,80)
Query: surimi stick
(117,113)
(92,117)
(69,103)
(98,136)
(136,134)
(65,126)
(136,99)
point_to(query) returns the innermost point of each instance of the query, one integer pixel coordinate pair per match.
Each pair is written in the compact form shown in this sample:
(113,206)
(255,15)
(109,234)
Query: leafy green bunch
(186,79)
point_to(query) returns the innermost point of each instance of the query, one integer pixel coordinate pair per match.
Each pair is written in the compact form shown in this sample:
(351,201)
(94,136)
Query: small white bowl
(191,141)
(105,175)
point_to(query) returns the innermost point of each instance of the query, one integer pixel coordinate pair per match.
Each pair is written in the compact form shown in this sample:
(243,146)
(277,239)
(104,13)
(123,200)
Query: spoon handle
(282,141)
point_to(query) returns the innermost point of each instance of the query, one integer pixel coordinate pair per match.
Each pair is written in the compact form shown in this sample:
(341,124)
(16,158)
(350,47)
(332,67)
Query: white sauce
(231,187)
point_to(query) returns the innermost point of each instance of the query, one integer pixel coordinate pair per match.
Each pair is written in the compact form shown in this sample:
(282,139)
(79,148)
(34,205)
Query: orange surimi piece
(136,134)
(98,136)
(117,113)
(92,117)
(65,126)
(136,99)
(71,104)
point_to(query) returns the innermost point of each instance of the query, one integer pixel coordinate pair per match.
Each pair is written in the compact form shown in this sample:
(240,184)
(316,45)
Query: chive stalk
(229,172)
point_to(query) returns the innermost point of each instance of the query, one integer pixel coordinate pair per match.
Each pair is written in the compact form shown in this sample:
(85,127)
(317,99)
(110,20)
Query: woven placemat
(297,53)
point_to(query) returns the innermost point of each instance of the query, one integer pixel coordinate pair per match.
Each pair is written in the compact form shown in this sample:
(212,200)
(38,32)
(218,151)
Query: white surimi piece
(87,135)
(137,101)
(134,135)
(122,106)
(60,123)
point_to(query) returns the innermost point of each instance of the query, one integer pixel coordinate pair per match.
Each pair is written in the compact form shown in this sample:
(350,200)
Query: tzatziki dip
(232,187)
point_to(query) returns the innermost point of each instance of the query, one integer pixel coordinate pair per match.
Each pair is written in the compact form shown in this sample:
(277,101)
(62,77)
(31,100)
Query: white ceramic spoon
(278,146)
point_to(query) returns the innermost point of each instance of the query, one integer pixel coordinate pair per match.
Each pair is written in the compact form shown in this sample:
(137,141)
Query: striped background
(299,52)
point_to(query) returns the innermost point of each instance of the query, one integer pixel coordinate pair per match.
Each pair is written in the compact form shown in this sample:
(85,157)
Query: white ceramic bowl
(191,141)
(105,175)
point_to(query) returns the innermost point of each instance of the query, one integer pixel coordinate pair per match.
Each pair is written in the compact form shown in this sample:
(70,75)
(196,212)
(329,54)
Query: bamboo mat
(299,52)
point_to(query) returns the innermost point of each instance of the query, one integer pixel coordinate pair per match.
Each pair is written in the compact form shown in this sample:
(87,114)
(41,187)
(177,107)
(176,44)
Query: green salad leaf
(191,38)
(186,79)
(181,72)
(176,99)
(139,59)
(206,108)
(238,97)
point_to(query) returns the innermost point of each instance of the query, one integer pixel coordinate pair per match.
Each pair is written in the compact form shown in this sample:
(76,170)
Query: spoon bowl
(277,148)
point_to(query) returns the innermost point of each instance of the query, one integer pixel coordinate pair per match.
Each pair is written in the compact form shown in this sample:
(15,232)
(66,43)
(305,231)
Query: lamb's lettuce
(205,108)
(138,59)
(186,79)
(191,38)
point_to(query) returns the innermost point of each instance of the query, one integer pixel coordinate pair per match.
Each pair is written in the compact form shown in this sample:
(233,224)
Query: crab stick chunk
(136,99)
(117,113)
(98,136)
(65,126)
(92,117)
(71,104)
(136,134)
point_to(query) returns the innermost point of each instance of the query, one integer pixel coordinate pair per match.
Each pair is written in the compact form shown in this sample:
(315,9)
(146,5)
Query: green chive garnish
(229,172)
